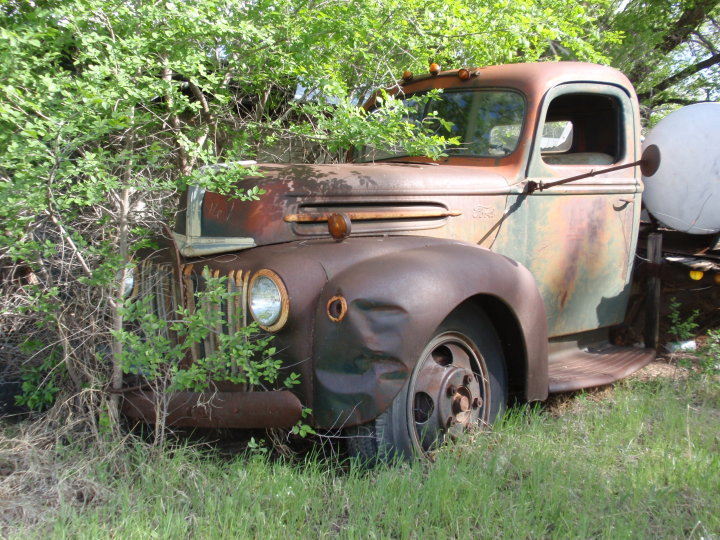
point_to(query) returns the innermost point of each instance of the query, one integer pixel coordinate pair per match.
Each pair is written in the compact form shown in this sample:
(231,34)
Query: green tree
(670,50)
(108,108)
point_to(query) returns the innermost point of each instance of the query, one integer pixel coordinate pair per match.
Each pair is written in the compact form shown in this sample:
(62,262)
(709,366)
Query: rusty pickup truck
(416,297)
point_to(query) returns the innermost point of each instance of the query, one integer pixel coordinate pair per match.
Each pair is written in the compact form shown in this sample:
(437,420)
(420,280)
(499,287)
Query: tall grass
(639,461)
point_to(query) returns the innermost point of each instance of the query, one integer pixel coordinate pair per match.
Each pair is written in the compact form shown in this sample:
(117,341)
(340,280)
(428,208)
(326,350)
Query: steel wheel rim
(448,392)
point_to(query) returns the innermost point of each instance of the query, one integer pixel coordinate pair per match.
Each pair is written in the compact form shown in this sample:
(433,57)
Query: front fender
(395,301)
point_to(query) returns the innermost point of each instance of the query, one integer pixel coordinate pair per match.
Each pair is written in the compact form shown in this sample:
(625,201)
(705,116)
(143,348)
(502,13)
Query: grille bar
(157,280)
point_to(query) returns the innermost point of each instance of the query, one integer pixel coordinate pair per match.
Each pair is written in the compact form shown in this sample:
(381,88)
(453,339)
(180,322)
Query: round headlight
(268,300)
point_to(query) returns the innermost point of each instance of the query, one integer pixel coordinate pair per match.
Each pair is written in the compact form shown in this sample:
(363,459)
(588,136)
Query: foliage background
(670,50)
(109,108)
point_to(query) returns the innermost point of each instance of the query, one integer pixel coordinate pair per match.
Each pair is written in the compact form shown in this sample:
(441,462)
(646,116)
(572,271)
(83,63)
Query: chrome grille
(157,280)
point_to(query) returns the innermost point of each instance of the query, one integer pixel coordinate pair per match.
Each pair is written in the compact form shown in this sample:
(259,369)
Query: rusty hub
(449,388)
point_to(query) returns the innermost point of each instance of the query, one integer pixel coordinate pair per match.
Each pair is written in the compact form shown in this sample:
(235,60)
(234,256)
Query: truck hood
(379,198)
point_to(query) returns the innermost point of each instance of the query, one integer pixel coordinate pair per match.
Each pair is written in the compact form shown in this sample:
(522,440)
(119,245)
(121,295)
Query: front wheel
(459,381)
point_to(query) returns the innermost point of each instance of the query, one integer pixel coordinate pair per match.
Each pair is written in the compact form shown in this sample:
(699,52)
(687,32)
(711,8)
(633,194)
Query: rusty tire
(459,381)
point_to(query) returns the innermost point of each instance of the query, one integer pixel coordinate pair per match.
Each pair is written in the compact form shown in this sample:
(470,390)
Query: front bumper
(280,409)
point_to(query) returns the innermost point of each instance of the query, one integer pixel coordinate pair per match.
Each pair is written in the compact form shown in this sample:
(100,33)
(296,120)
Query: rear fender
(374,319)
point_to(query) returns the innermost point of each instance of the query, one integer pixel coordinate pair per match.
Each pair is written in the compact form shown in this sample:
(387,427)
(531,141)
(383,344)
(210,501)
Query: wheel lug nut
(451,390)
(467,379)
(450,421)
(476,403)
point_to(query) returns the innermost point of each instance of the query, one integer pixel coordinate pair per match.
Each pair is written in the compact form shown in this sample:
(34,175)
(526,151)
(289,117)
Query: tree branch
(676,34)
(709,45)
(688,22)
(201,98)
(678,101)
(681,75)
(174,119)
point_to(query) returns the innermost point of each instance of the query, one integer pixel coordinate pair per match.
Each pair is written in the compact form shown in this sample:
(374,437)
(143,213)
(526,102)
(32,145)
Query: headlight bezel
(284,307)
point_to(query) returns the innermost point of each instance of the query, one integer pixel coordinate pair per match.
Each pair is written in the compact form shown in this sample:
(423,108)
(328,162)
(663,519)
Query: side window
(582,129)
(557,137)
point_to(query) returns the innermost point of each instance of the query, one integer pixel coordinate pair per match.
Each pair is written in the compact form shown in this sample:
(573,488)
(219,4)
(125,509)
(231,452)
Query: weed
(681,328)
(641,465)
(41,381)
(709,353)
(154,347)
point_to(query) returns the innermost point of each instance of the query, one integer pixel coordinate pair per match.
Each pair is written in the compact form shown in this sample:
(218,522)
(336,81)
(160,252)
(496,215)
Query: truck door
(578,239)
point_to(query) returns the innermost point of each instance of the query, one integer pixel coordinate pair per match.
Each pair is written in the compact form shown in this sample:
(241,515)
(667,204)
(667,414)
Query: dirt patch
(661,368)
(567,402)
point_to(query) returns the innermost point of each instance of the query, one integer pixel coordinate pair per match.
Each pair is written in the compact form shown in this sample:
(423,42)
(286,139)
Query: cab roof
(530,78)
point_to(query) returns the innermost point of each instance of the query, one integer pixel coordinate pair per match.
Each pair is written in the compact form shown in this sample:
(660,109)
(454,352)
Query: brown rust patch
(318,217)
(245,285)
(190,304)
(219,409)
(336,308)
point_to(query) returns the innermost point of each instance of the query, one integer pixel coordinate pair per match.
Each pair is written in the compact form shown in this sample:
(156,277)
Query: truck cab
(415,297)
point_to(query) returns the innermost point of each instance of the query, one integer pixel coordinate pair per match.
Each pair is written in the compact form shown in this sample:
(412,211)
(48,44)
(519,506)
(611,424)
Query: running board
(577,369)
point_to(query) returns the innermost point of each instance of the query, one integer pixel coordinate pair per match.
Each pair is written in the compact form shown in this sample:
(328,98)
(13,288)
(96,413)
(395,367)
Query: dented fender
(375,317)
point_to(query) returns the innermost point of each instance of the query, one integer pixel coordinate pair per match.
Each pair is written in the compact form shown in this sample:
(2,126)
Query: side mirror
(650,160)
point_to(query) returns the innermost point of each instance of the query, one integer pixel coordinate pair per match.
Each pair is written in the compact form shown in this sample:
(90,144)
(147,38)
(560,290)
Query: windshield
(487,123)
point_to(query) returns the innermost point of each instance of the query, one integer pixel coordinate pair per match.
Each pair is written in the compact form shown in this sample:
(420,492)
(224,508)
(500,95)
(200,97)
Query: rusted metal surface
(368,216)
(579,246)
(649,165)
(354,367)
(336,308)
(279,409)
(426,239)
(396,299)
(584,369)
(392,198)
(578,239)
(451,391)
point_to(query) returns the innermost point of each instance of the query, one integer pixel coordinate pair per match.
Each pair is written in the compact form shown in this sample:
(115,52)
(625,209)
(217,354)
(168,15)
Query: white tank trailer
(684,192)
